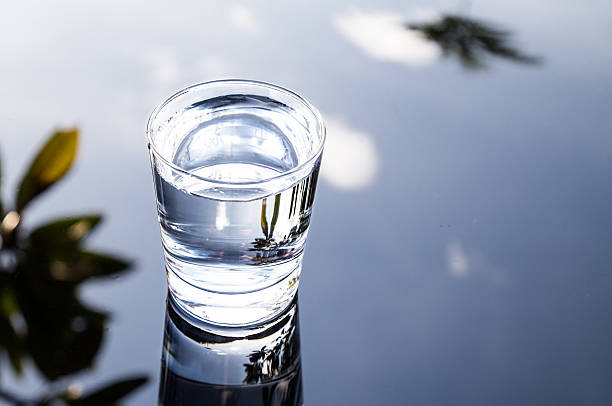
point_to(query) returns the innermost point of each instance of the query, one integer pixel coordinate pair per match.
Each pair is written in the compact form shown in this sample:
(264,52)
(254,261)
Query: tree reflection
(209,365)
(292,227)
(471,41)
(271,361)
(42,318)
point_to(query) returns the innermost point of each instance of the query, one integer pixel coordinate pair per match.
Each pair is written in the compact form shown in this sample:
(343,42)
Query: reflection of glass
(235,165)
(205,364)
(471,41)
(42,318)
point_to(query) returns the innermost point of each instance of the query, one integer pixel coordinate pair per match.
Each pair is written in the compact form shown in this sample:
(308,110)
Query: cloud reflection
(457,261)
(214,66)
(382,36)
(164,66)
(243,18)
(350,159)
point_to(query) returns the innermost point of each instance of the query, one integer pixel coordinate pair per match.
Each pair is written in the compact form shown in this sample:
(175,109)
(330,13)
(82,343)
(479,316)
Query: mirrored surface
(460,248)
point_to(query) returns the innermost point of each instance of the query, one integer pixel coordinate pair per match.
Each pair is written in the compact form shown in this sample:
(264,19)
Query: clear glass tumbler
(235,166)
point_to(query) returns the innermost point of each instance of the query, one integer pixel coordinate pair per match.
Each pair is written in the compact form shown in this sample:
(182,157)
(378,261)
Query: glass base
(206,364)
(234,309)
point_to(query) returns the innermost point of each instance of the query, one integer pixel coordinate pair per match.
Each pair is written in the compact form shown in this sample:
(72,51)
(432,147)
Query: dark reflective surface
(460,250)
(203,364)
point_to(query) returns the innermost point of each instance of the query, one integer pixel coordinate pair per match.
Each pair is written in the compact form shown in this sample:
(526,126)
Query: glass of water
(235,166)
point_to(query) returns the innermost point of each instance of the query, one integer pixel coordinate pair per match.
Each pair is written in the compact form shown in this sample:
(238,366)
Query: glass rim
(320,127)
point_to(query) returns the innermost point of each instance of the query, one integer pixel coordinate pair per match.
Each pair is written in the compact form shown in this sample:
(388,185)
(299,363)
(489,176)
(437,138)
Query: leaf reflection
(471,41)
(42,318)
(107,395)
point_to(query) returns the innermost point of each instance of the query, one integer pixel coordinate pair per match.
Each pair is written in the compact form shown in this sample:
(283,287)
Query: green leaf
(50,164)
(110,393)
(9,339)
(67,232)
(12,342)
(8,301)
(64,336)
(76,265)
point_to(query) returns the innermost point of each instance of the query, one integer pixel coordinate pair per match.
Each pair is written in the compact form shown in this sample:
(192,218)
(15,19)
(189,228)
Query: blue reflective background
(461,241)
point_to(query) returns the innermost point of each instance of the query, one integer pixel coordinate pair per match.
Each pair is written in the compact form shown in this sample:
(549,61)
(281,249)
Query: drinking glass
(235,166)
